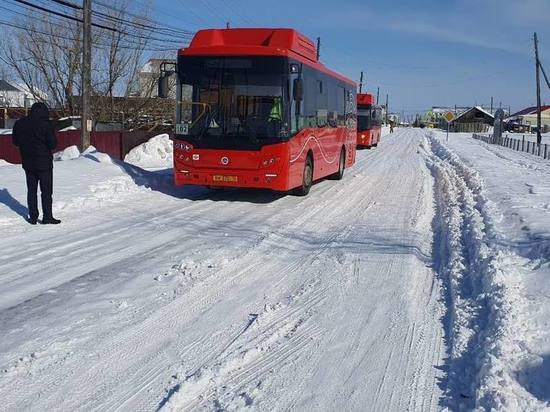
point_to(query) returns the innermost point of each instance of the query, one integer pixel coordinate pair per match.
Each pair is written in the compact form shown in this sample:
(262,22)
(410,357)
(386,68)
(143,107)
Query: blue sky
(421,53)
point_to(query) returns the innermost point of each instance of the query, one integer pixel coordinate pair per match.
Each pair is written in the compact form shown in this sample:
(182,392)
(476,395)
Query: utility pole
(318,48)
(387,109)
(378,95)
(86,73)
(537,62)
(361,83)
(492,105)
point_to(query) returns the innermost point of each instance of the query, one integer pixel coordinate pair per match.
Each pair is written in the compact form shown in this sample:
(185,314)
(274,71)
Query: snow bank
(100,157)
(486,320)
(66,129)
(4,163)
(5,131)
(156,153)
(69,153)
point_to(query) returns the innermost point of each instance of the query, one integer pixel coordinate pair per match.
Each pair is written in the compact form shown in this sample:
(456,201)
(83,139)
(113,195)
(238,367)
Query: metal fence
(520,145)
(115,144)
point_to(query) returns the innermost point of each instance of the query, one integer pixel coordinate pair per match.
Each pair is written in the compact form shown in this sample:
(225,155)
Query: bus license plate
(221,178)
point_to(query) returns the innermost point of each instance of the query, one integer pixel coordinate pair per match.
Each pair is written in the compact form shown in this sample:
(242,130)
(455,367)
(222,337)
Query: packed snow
(153,154)
(415,283)
(69,153)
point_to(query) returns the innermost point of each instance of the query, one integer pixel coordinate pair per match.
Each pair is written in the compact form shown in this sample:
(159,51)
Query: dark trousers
(45,179)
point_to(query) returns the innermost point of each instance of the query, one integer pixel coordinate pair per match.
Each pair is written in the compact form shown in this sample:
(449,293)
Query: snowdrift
(154,154)
(69,153)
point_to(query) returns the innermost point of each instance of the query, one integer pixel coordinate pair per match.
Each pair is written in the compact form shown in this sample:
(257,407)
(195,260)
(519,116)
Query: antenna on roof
(227,25)
(318,48)
(361,83)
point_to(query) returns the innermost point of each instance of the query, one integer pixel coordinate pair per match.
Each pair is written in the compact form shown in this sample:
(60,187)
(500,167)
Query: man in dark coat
(35,137)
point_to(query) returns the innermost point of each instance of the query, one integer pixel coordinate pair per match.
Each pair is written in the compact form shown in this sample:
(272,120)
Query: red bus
(255,108)
(369,121)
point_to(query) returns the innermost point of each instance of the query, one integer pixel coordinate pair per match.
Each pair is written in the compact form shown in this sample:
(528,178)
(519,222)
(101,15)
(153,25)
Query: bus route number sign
(182,128)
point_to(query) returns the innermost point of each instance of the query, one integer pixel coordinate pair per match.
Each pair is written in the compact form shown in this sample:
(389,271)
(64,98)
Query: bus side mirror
(163,85)
(298,90)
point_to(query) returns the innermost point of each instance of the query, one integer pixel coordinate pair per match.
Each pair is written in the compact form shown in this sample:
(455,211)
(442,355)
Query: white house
(18,95)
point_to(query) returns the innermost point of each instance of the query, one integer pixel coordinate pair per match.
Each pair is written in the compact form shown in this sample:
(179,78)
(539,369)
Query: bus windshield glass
(232,102)
(364,119)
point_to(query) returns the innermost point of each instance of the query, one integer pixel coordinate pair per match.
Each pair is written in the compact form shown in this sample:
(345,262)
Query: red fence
(115,144)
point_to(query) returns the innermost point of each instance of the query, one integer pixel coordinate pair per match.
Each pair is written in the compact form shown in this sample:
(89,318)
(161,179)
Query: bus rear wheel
(341,166)
(307,179)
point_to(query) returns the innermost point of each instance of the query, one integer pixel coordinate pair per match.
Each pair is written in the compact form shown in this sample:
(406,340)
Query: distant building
(526,120)
(13,95)
(434,117)
(147,79)
(393,118)
(473,120)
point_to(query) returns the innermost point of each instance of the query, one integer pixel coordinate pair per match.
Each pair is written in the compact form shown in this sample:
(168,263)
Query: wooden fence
(520,145)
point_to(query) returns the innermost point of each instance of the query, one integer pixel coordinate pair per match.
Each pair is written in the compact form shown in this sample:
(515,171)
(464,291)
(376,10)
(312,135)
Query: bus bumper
(260,179)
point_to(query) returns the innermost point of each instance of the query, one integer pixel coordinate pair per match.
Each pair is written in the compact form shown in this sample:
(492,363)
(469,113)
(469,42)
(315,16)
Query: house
(434,117)
(473,120)
(147,79)
(14,95)
(526,120)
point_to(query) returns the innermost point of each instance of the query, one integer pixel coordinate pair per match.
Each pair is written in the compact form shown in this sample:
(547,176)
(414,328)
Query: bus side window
(341,105)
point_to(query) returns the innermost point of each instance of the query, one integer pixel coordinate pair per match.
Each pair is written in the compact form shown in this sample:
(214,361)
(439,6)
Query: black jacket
(35,137)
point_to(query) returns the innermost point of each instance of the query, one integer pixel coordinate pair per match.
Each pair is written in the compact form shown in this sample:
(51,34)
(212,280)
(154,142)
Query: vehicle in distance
(369,121)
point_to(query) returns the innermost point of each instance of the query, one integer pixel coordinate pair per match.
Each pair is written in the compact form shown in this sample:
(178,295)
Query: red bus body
(278,165)
(369,130)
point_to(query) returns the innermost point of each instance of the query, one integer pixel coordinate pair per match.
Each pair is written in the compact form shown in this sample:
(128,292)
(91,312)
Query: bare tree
(46,56)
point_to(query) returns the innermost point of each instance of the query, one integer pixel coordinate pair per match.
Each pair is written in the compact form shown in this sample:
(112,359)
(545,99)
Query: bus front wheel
(307,179)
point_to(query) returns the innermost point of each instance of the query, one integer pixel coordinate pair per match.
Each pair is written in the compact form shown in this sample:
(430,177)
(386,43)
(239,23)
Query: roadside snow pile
(69,153)
(156,153)
(486,320)
(66,129)
(5,131)
(115,190)
(100,157)
(4,163)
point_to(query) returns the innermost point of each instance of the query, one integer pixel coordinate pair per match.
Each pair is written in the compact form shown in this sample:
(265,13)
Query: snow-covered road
(229,299)
(365,295)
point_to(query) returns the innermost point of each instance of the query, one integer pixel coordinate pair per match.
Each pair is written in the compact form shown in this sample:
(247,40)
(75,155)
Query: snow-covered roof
(7,87)
(479,108)
(530,110)
(36,92)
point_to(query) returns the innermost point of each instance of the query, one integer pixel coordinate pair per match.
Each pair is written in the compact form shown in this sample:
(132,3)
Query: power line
(129,42)
(100,46)
(125,22)
(66,16)
(233,10)
(146,19)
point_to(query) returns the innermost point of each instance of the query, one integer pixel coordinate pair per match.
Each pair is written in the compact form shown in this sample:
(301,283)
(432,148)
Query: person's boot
(32,221)
(51,221)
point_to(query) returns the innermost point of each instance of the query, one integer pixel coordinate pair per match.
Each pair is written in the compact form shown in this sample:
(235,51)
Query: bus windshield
(368,117)
(364,118)
(232,102)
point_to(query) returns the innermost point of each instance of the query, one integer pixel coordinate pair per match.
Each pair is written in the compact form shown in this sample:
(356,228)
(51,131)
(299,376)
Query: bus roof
(365,99)
(258,42)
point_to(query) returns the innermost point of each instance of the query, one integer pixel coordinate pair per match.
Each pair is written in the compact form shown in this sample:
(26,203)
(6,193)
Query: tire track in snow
(484,297)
